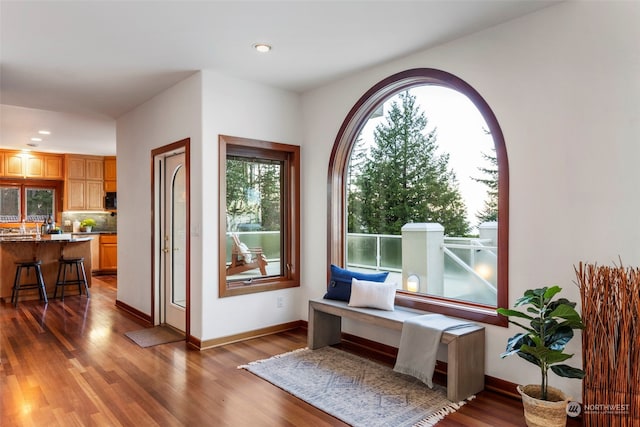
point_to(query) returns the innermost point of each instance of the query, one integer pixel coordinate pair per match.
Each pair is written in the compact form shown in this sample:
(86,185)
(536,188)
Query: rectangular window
(10,204)
(259,226)
(33,201)
(40,204)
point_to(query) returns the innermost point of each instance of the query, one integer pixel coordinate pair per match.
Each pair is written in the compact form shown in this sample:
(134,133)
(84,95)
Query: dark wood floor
(69,364)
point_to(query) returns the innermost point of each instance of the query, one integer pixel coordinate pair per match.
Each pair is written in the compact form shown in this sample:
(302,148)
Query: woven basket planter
(544,413)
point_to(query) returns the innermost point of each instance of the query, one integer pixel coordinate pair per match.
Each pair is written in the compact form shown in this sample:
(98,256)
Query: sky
(460,132)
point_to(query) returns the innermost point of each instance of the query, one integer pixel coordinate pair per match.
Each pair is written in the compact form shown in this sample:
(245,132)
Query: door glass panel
(178,240)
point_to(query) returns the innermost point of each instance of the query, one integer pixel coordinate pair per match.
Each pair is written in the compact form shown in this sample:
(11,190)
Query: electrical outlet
(280,302)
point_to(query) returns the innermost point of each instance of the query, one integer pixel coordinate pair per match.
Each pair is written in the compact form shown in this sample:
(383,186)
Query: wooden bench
(465,346)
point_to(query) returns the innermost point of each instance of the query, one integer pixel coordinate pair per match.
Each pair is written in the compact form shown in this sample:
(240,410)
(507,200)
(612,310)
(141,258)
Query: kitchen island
(48,250)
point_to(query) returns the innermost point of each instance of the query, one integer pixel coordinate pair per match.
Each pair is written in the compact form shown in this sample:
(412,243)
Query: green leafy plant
(551,325)
(88,222)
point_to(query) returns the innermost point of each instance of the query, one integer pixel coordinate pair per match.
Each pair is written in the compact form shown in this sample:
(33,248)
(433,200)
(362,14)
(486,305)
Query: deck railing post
(423,256)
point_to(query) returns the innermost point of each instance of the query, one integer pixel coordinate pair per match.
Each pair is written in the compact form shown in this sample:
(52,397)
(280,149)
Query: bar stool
(80,279)
(38,284)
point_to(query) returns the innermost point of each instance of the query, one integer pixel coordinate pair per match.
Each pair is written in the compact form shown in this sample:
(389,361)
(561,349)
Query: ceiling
(73,67)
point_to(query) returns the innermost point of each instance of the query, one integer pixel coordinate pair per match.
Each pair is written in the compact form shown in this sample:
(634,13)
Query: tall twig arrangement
(610,344)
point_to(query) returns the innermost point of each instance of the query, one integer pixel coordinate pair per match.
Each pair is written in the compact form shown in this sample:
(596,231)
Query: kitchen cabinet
(1,164)
(95,253)
(110,174)
(53,167)
(84,186)
(17,164)
(13,165)
(108,252)
(76,167)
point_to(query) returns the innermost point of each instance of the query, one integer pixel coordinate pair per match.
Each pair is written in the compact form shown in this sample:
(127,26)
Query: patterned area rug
(355,390)
(149,337)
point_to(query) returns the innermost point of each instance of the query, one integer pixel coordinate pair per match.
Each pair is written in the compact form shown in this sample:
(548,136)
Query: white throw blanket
(419,344)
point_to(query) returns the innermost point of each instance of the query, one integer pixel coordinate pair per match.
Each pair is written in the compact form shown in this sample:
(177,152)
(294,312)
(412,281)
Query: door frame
(156,237)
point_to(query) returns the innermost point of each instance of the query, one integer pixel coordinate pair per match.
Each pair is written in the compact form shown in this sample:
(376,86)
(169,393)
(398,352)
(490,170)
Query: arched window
(419,186)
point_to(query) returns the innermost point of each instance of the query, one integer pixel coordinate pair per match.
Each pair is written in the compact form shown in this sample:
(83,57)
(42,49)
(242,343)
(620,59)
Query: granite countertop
(44,239)
(95,232)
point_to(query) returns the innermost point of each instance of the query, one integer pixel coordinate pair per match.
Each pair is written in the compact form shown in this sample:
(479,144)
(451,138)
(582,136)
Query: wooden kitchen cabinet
(95,195)
(76,167)
(94,168)
(95,252)
(84,186)
(53,167)
(1,164)
(16,164)
(75,194)
(108,252)
(110,174)
(13,164)
(45,166)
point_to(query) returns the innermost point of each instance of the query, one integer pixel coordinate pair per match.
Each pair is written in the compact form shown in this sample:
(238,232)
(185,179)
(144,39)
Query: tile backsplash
(105,221)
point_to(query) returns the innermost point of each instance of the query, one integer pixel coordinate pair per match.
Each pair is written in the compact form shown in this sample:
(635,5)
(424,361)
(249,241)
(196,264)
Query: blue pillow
(340,282)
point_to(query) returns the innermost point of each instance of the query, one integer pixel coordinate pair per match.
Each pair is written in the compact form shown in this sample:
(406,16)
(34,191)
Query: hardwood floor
(69,364)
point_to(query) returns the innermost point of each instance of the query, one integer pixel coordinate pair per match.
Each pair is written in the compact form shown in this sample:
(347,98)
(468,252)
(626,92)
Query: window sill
(450,308)
(240,288)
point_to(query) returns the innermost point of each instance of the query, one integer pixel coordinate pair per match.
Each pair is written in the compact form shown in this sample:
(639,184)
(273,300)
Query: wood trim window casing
(336,198)
(290,213)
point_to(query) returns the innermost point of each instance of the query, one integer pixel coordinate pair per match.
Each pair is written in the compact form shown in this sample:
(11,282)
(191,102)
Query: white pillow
(372,294)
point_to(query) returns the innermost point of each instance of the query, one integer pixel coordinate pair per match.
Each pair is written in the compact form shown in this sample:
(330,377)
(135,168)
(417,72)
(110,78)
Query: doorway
(171,236)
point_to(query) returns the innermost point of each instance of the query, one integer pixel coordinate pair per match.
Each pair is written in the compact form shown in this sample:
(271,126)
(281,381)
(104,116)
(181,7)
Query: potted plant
(87,224)
(550,327)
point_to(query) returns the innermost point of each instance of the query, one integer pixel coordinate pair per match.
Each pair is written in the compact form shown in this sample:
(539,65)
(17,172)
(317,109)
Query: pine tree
(269,190)
(253,192)
(354,202)
(489,211)
(405,179)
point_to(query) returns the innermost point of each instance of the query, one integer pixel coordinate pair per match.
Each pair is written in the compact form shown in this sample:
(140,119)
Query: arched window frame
(338,164)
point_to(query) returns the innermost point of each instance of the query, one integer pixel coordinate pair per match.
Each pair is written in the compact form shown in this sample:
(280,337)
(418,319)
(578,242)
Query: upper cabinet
(110,174)
(18,164)
(83,188)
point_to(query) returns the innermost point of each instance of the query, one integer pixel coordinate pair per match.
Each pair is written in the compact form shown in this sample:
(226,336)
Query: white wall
(168,117)
(200,107)
(564,84)
(239,108)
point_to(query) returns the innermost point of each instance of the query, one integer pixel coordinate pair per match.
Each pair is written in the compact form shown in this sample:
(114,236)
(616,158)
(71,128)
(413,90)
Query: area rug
(355,390)
(149,337)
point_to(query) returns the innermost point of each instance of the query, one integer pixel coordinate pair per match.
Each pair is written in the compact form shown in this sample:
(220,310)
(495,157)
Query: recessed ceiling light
(262,47)
(36,139)
(44,132)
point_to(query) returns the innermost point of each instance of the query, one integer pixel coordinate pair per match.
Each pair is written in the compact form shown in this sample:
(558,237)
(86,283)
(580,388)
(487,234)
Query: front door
(174,239)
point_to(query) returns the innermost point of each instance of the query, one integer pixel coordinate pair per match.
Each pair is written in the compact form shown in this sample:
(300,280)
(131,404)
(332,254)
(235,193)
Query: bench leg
(465,366)
(324,329)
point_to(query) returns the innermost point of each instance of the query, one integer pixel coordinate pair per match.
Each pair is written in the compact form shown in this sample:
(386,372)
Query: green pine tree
(405,179)
(489,211)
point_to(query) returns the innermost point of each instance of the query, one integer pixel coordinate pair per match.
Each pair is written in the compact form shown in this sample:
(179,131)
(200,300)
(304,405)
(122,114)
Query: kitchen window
(30,202)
